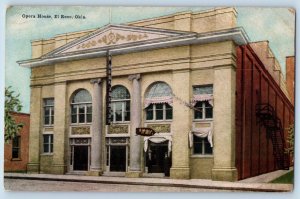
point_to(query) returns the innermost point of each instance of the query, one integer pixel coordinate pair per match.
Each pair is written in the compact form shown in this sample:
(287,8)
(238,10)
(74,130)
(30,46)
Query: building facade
(265,112)
(174,74)
(16,151)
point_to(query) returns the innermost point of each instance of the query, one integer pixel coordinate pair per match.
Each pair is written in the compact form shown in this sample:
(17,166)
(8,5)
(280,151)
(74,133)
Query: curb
(238,186)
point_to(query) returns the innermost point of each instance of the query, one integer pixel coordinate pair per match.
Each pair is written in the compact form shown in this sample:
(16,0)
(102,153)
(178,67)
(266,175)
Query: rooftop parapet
(265,54)
(203,21)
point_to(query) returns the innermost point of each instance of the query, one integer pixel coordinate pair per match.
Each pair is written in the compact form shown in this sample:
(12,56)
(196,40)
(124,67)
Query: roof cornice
(237,35)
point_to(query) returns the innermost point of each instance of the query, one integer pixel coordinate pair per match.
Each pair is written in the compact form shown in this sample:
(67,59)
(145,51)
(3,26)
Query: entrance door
(117,158)
(157,157)
(81,158)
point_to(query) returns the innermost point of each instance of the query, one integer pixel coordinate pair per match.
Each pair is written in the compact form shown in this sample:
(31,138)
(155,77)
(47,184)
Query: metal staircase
(266,116)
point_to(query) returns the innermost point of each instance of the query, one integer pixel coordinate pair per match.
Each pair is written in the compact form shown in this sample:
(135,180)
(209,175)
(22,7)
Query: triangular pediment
(113,36)
(119,39)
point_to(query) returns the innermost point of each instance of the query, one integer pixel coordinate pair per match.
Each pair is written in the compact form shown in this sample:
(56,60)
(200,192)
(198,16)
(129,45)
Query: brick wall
(18,165)
(255,85)
(290,77)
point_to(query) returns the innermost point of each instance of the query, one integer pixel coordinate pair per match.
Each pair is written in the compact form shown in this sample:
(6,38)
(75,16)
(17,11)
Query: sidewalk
(192,183)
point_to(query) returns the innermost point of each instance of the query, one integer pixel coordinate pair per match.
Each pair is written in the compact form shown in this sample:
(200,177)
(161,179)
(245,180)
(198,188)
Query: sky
(277,25)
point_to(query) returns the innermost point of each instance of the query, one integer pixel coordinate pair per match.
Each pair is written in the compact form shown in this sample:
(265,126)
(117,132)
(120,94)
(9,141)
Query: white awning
(158,139)
(159,93)
(201,132)
(202,98)
(203,93)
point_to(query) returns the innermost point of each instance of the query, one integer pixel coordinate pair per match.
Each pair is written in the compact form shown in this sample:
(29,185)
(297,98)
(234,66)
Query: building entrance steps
(257,183)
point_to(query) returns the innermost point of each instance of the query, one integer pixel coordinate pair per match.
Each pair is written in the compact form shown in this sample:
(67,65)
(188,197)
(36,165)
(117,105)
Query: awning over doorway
(158,139)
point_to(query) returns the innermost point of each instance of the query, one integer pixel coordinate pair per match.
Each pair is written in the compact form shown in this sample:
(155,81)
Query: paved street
(38,185)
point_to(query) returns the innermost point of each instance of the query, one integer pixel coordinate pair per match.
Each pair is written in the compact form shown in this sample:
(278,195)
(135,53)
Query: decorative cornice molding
(236,35)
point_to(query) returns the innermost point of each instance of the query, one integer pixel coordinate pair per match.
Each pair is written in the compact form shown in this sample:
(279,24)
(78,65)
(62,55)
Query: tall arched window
(120,104)
(81,107)
(159,102)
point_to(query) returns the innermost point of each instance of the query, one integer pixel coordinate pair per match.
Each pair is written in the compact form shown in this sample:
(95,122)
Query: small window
(203,110)
(48,143)
(16,144)
(203,96)
(48,112)
(201,146)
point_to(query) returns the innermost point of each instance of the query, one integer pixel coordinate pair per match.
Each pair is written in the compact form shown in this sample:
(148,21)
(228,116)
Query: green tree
(12,104)
(291,140)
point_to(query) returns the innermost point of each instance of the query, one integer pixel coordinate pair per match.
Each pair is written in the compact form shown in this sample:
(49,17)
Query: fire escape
(266,117)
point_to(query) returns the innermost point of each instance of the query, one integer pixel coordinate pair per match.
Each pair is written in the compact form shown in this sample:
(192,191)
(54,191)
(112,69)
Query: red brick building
(264,112)
(16,151)
(290,77)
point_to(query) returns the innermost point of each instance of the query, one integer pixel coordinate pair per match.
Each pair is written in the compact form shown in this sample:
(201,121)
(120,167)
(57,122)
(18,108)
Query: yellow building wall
(179,67)
(201,167)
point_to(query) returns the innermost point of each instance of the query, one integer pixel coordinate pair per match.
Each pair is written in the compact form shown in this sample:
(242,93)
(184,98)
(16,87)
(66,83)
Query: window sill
(158,121)
(119,123)
(80,124)
(48,126)
(16,159)
(203,120)
(47,154)
(202,156)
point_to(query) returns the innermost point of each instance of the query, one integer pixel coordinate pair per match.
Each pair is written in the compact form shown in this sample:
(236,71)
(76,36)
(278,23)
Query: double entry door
(80,154)
(158,160)
(117,150)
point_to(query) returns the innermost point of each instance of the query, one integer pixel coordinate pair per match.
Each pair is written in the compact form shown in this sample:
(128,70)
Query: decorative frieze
(82,130)
(160,128)
(118,129)
(113,38)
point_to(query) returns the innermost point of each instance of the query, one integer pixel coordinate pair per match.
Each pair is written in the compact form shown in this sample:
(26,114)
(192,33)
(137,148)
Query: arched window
(120,104)
(81,107)
(158,102)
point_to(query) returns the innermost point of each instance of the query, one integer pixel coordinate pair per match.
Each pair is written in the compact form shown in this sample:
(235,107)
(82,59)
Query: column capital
(96,81)
(135,76)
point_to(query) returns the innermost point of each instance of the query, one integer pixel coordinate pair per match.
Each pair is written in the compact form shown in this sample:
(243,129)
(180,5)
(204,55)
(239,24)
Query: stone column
(180,126)
(96,153)
(33,165)
(135,118)
(60,136)
(224,124)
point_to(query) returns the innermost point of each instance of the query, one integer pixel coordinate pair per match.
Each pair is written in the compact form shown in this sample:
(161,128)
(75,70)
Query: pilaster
(96,147)
(181,123)
(224,124)
(59,136)
(33,165)
(135,122)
